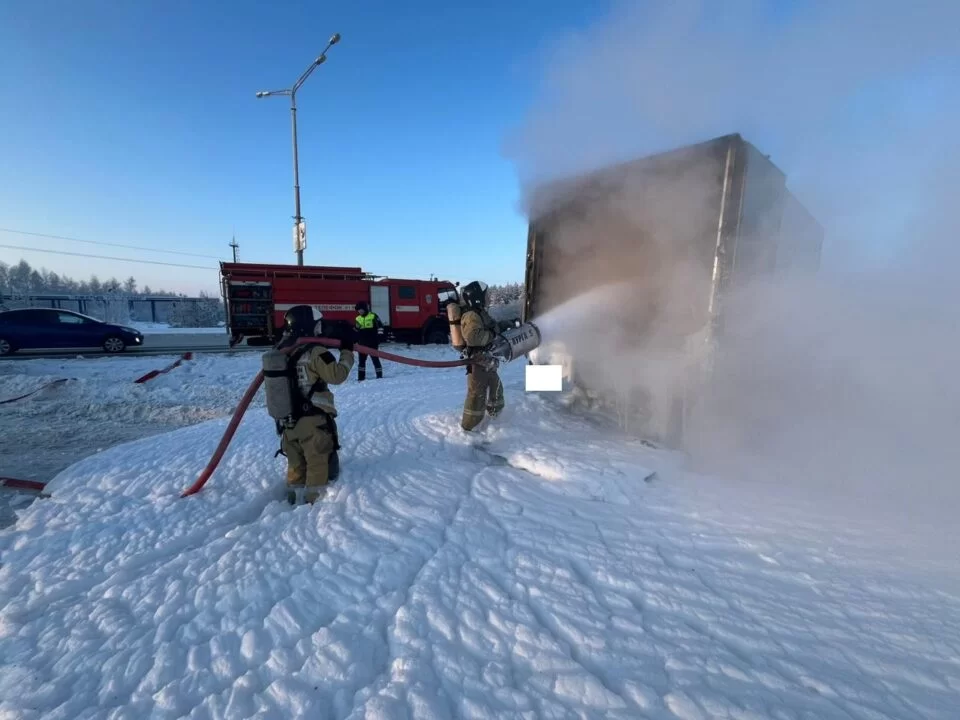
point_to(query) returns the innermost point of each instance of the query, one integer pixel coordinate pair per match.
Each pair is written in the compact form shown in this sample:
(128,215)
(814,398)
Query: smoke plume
(845,383)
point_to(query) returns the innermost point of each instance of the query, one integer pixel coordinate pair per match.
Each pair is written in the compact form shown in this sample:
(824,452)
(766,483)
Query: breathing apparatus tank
(278,384)
(515,342)
(454,312)
(279,373)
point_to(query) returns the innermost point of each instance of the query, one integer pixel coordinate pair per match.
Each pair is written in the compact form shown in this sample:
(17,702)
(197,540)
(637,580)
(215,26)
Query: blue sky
(137,123)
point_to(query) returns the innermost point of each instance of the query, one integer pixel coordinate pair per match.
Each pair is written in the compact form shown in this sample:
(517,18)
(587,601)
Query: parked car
(51,328)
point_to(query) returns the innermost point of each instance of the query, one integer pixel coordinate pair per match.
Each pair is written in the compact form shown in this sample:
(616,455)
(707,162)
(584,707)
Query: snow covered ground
(99,405)
(535,573)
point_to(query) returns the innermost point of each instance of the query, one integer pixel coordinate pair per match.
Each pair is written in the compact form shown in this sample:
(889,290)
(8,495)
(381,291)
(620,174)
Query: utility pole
(234,245)
(299,227)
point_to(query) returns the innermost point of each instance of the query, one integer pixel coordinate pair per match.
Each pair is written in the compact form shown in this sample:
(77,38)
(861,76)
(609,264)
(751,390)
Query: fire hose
(506,347)
(33,392)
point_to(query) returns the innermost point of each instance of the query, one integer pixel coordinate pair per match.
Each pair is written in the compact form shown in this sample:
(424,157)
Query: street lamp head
(262,94)
(321,60)
(335,39)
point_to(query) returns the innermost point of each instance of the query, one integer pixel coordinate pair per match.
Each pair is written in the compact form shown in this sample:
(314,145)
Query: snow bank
(527,571)
(102,388)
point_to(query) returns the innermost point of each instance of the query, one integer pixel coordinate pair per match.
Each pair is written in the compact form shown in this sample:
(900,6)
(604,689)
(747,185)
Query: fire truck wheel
(436,337)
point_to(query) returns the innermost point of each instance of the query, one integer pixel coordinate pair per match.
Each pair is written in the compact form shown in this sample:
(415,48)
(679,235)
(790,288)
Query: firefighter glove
(347,338)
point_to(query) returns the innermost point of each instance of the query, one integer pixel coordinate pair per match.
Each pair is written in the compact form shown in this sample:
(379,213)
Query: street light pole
(297,219)
(299,228)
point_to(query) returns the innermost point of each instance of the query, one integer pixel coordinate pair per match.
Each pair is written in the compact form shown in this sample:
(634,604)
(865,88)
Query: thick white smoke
(847,382)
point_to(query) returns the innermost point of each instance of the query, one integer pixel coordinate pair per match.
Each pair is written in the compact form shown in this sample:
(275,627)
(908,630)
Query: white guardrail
(196,341)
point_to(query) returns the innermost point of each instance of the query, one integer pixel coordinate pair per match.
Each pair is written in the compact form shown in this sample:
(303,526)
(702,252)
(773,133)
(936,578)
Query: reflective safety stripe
(304,385)
(366,322)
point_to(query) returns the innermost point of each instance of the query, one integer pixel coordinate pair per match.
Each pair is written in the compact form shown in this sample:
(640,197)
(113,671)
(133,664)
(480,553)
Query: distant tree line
(505,301)
(206,312)
(23,279)
(505,294)
(114,301)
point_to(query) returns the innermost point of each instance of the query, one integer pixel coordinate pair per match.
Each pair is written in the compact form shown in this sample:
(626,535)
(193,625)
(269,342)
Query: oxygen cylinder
(516,342)
(276,384)
(454,311)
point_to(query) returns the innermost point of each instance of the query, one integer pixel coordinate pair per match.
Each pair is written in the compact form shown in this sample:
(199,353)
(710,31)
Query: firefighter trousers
(362,366)
(484,395)
(310,447)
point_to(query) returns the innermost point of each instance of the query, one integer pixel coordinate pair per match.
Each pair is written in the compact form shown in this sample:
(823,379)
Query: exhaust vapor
(844,383)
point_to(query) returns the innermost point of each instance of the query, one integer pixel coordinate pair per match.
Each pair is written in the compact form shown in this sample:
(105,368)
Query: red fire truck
(256,297)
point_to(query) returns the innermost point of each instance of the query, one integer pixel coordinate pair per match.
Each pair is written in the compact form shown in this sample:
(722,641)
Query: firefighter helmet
(474,294)
(302,321)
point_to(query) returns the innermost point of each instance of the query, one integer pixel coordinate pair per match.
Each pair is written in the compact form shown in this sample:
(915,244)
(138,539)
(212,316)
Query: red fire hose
(22,484)
(33,392)
(258,380)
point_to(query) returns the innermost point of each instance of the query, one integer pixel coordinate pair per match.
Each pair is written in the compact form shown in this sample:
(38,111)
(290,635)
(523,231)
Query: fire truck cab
(256,296)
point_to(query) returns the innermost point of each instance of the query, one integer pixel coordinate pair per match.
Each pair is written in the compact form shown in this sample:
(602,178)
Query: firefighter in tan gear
(484,388)
(311,444)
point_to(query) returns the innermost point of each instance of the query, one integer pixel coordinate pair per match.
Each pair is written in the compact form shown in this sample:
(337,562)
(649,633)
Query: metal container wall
(679,230)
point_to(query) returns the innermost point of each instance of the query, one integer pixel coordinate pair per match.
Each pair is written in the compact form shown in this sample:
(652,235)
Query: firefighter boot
(313,494)
(495,401)
(333,466)
(295,494)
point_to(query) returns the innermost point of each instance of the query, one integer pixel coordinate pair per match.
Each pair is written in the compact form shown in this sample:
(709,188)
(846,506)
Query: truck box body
(669,236)
(256,297)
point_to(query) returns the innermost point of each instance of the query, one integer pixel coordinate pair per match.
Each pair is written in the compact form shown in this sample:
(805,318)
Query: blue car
(54,329)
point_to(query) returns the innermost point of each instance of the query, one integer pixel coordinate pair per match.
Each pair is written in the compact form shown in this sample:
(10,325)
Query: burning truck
(630,268)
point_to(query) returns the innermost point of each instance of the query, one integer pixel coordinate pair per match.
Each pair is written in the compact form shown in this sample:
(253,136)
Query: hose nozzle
(516,342)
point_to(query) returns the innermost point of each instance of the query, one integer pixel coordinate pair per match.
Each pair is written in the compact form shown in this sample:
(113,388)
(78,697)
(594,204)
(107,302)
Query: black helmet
(362,306)
(301,321)
(475,294)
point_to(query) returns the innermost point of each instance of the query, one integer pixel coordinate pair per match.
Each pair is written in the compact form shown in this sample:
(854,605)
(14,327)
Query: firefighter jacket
(316,370)
(478,328)
(368,329)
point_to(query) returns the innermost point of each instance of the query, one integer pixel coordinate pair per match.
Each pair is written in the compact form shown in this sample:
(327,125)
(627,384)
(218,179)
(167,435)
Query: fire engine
(256,296)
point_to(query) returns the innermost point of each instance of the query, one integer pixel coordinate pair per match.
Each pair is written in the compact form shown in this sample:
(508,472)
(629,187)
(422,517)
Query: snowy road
(535,575)
(99,406)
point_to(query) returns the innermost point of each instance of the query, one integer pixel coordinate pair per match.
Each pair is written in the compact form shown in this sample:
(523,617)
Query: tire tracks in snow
(374,689)
(750,663)
(567,645)
(549,629)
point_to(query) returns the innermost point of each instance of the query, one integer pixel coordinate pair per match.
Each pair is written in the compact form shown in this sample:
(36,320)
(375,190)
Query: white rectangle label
(407,308)
(544,378)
